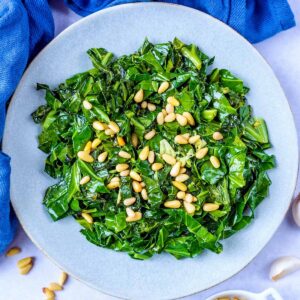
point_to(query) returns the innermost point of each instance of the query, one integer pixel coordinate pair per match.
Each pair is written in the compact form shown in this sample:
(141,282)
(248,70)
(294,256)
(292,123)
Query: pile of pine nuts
(178,170)
(25,265)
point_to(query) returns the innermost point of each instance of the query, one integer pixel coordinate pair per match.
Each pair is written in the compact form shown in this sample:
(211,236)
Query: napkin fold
(26,26)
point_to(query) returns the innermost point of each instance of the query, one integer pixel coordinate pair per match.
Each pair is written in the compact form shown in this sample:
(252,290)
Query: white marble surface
(283,53)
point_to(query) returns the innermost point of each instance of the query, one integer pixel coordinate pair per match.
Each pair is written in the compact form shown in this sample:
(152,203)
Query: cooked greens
(154,152)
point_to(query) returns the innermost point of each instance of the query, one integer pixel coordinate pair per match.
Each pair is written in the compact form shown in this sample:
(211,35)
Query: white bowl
(245,295)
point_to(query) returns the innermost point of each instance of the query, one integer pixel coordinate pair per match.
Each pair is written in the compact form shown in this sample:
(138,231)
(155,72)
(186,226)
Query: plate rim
(127,6)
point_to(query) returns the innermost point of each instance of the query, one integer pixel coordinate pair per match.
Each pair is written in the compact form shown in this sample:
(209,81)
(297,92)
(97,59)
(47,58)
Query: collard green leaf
(257,131)
(230,81)
(210,174)
(56,200)
(116,222)
(82,133)
(258,191)
(155,194)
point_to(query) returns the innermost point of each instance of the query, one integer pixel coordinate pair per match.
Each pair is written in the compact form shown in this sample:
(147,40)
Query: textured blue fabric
(256,20)
(25,27)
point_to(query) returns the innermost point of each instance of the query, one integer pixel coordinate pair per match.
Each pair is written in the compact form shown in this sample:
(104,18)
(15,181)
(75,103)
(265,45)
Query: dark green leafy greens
(217,102)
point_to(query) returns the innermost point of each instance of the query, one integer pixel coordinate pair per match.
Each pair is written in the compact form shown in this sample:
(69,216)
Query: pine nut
(172,100)
(137,216)
(163,87)
(24,262)
(186,136)
(134,140)
(172,204)
(164,112)
(169,108)
(182,121)
(189,117)
(144,153)
(142,184)
(157,166)
(170,118)
(150,134)
(195,199)
(48,293)
(109,131)
(53,286)
(62,278)
(87,105)
(26,269)
(144,104)
(139,96)
(179,139)
(102,156)
(180,185)
(113,185)
(169,159)
(215,162)
(124,154)
(189,207)
(194,139)
(13,251)
(201,153)
(135,176)
(182,170)
(129,201)
(175,169)
(188,198)
(182,177)
(217,136)
(180,195)
(119,199)
(99,126)
(121,167)
(210,206)
(116,178)
(136,186)
(114,126)
(160,119)
(130,212)
(151,107)
(124,173)
(88,147)
(144,194)
(96,142)
(151,157)
(121,141)
(84,180)
(87,217)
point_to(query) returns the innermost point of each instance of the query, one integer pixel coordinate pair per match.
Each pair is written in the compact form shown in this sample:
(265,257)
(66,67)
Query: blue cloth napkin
(27,25)
(256,20)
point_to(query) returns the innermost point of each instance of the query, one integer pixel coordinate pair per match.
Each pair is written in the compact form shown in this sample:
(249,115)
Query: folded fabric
(25,27)
(256,20)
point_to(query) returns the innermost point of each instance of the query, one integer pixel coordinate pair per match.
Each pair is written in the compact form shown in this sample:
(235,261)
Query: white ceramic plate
(121,30)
